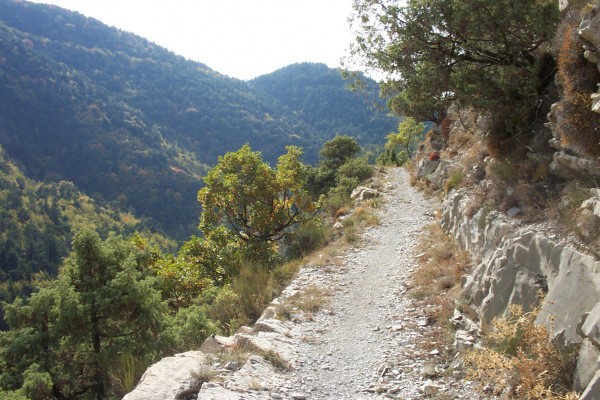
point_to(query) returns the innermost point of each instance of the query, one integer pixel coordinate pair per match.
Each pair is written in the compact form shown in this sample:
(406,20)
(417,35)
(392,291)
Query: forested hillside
(319,96)
(131,123)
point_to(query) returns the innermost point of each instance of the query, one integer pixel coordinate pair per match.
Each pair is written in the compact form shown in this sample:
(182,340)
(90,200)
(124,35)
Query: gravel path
(364,345)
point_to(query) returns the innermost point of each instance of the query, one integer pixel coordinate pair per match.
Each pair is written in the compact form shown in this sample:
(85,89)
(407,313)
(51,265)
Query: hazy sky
(239,38)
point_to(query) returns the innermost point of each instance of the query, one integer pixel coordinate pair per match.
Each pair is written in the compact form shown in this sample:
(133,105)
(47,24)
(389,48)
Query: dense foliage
(256,203)
(481,53)
(404,140)
(103,306)
(318,95)
(37,222)
(118,303)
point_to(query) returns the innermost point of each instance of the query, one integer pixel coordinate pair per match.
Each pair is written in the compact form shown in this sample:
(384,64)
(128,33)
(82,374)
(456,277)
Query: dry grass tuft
(576,124)
(310,300)
(276,361)
(437,281)
(522,360)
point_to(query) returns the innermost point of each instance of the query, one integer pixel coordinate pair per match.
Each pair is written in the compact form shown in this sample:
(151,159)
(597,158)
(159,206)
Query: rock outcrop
(187,376)
(516,264)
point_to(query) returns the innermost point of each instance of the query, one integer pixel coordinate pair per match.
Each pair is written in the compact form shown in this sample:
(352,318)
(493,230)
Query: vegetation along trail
(364,344)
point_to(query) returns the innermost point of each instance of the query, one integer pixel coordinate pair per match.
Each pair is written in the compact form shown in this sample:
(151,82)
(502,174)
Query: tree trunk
(99,384)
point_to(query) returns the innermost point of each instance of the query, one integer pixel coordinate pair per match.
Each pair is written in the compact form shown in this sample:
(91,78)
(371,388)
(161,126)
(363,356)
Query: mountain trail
(364,346)
(346,328)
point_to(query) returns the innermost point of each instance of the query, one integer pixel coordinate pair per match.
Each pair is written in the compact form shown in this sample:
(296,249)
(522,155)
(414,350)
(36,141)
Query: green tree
(334,154)
(256,203)
(338,151)
(483,53)
(408,131)
(68,335)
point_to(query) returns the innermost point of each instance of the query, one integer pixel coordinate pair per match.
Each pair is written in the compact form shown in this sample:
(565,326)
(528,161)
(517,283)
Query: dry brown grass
(576,124)
(310,300)
(522,361)
(437,281)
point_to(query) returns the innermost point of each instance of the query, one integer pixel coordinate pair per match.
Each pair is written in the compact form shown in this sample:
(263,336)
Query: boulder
(572,293)
(439,175)
(592,392)
(568,167)
(427,167)
(163,380)
(589,29)
(587,364)
(363,193)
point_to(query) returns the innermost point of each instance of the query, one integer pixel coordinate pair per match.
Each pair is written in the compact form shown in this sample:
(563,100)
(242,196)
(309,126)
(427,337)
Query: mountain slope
(129,122)
(319,96)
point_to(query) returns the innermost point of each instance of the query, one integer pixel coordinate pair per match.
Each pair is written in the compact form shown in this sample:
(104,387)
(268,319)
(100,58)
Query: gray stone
(427,167)
(591,326)
(513,212)
(362,193)
(593,203)
(439,175)
(212,391)
(515,264)
(568,167)
(589,29)
(463,341)
(429,370)
(572,293)
(596,100)
(592,392)
(587,365)
(165,378)
(429,389)
(588,225)
(256,374)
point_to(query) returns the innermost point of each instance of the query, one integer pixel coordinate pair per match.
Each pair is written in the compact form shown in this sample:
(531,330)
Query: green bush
(37,385)
(307,238)
(357,168)
(244,300)
(335,202)
(345,186)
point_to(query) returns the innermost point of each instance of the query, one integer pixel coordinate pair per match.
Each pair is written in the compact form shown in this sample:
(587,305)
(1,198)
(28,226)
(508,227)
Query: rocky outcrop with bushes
(533,224)
(521,262)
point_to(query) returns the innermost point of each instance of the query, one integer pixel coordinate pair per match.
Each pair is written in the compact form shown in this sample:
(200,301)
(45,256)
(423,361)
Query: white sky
(240,38)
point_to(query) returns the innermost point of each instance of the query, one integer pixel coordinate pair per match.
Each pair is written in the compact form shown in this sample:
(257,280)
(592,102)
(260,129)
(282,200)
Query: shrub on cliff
(481,53)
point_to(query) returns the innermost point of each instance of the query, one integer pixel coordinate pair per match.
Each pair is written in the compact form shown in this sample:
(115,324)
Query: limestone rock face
(568,167)
(166,378)
(427,167)
(515,263)
(172,378)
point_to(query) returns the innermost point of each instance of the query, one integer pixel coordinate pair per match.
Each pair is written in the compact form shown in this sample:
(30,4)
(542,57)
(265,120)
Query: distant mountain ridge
(319,96)
(131,123)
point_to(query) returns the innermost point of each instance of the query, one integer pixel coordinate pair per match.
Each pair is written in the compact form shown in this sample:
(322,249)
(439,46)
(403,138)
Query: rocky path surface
(364,346)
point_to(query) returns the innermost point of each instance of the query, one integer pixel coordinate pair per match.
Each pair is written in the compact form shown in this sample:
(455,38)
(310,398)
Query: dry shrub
(278,362)
(310,300)
(460,138)
(437,280)
(522,360)
(445,128)
(576,124)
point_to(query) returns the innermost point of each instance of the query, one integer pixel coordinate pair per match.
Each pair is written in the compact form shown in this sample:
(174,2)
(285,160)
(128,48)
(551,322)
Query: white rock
(429,389)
